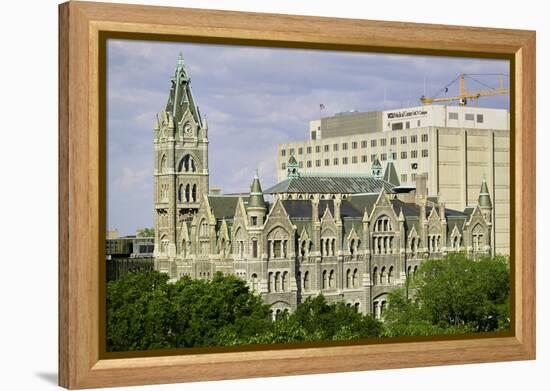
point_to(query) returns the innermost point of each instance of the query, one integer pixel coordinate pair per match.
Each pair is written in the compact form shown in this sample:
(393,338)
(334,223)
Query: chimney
(315,208)
(337,203)
(421,187)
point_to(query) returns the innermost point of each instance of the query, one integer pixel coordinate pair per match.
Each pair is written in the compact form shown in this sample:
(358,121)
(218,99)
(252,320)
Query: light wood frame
(81,245)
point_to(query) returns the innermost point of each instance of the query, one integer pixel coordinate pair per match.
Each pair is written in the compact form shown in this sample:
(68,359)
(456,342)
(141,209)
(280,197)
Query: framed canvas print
(246,195)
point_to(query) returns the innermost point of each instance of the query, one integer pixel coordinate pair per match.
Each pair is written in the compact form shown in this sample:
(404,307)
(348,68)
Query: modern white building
(455,146)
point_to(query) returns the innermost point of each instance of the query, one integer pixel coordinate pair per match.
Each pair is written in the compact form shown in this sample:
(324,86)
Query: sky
(254,98)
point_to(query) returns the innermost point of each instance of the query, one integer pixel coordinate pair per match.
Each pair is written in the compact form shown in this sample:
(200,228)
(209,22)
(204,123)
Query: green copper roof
(484,199)
(390,175)
(256,196)
(322,184)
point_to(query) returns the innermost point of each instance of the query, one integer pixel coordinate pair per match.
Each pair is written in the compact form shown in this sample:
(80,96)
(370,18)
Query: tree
(144,311)
(336,321)
(452,295)
(145,232)
(139,312)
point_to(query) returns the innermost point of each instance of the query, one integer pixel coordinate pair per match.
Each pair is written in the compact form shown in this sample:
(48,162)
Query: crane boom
(465,95)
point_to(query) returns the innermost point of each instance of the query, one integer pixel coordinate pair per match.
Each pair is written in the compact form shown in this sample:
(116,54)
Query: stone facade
(351,238)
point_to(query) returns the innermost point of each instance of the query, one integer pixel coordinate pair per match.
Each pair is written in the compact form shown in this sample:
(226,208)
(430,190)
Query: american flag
(321,106)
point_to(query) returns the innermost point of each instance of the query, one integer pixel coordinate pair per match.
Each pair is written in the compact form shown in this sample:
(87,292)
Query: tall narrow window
(188,193)
(163,164)
(277,281)
(254,248)
(331,279)
(254,279)
(194,196)
(306,281)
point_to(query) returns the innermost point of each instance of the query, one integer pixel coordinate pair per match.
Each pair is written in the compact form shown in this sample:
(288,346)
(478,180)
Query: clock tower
(181,165)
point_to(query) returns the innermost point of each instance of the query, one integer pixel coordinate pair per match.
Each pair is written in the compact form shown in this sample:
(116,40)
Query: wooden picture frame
(82,163)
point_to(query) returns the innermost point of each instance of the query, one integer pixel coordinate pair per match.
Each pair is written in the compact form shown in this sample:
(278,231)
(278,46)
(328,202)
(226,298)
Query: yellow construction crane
(465,95)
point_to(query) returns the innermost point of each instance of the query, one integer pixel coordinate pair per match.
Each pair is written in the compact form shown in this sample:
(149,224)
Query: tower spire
(484,199)
(256,194)
(180,62)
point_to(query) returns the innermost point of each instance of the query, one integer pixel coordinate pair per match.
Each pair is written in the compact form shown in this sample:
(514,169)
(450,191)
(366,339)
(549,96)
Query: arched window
(383,235)
(331,279)
(163,164)
(383,275)
(478,238)
(348,278)
(390,275)
(456,242)
(413,246)
(277,281)
(284,282)
(254,279)
(254,248)
(222,249)
(354,281)
(164,244)
(239,243)
(277,241)
(187,164)
(325,279)
(187,192)
(270,282)
(376,310)
(352,246)
(180,193)
(356,306)
(194,193)
(203,229)
(375,276)
(306,281)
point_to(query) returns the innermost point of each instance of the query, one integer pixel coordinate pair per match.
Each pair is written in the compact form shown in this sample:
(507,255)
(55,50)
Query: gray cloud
(254,98)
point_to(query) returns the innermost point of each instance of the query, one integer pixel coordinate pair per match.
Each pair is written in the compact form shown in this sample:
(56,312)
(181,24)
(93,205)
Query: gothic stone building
(351,238)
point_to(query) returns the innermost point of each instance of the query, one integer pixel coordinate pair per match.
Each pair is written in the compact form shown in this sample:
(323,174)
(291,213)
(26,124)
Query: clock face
(187,129)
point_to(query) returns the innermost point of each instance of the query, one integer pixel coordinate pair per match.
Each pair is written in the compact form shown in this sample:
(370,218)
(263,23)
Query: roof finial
(180,59)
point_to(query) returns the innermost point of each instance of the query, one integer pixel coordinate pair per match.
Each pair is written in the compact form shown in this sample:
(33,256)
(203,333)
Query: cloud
(254,98)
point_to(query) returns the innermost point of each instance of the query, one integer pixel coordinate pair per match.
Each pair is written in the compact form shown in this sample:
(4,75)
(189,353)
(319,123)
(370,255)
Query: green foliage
(145,232)
(451,295)
(322,321)
(144,311)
